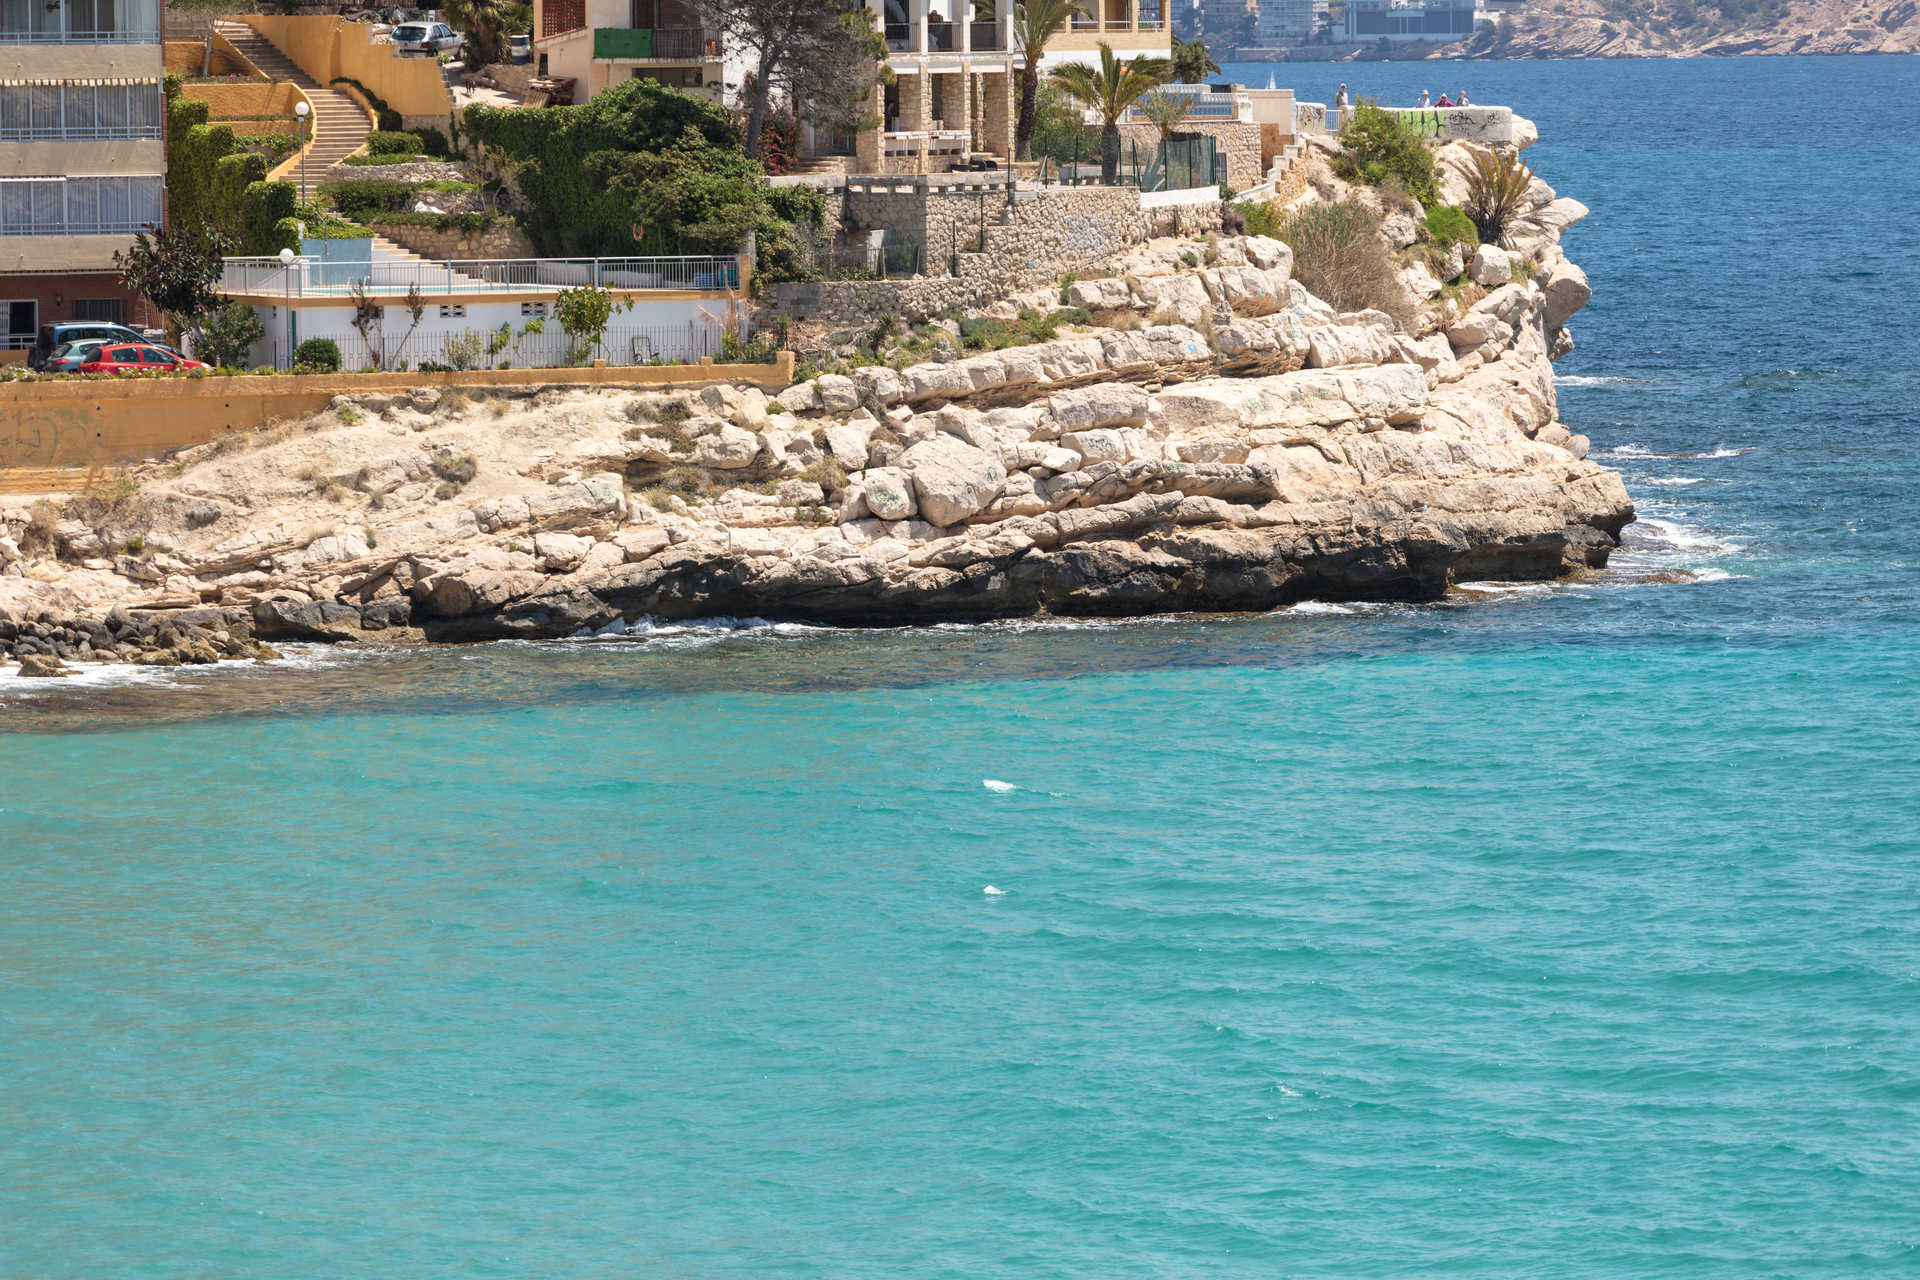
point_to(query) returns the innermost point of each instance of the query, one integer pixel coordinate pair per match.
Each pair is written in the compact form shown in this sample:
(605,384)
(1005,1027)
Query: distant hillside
(1714,28)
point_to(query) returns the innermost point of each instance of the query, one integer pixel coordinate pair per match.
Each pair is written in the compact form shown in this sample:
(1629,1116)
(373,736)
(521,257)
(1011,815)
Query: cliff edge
(1203,434)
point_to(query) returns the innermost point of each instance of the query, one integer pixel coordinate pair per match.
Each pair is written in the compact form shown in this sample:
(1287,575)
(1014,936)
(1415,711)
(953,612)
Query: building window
(100,310)
(79,22)
(23,321)
(533,308)
(78,206)
(458,311)
(80,112)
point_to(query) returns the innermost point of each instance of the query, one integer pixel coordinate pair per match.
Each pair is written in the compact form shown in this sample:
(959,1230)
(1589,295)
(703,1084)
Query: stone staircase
(340,125)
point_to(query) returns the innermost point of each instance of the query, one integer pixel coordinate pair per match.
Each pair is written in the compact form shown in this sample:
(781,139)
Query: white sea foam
(1657,533)
(124,675)
(994,784)
(1673,482)
(1506,588)
(1587,380)
(992,892)
(1634,449)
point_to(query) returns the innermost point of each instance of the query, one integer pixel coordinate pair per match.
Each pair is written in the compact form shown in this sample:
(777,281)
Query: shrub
(1377,147)
(641,154)
(1340,258)
(1448,225)
(363,198)
(384,142)
(1262,218)
(433,143)
(227,338)
(1497,199)
(320,355)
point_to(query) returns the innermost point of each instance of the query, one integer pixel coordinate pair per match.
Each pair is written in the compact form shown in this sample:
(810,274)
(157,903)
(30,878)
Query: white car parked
(433,38)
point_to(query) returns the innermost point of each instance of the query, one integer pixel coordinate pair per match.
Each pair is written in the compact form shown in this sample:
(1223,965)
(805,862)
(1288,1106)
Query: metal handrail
(315,276)
(80,37)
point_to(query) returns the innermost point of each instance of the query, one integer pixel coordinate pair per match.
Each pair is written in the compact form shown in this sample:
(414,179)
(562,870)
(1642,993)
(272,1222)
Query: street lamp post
(286,280)
(300,110)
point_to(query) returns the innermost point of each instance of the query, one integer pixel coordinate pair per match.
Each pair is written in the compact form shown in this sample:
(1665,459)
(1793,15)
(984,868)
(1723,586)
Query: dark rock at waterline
(42,666)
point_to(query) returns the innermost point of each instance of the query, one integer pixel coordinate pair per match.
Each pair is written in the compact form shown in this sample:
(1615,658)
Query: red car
(131,359)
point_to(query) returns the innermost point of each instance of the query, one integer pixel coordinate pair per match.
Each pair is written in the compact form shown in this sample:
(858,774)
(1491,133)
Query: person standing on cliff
(1463,99)
(1425,101)
(1340,107)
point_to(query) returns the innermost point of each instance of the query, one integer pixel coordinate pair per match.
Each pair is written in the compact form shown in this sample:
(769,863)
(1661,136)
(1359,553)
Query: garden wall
(82,423)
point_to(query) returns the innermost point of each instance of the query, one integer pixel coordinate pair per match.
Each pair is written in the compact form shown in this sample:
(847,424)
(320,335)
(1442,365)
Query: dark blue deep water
(1546,932)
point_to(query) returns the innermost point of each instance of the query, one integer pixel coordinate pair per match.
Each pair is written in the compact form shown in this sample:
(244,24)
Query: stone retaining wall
(501,240)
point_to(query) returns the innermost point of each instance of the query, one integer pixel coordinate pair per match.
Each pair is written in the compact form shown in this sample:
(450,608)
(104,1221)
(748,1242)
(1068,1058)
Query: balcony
(80,36)
(899,37)
(943,37)
(661,44)
(311,277)
(984,37)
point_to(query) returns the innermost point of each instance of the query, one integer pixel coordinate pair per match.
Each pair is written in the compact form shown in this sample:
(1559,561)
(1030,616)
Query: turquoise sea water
(1544,932)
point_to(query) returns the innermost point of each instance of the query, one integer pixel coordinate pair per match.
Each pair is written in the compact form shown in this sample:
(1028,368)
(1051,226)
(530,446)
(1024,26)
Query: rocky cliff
(1621,29)
(1215,438)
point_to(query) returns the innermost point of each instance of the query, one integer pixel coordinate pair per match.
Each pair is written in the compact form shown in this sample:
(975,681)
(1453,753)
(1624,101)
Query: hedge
(385,142)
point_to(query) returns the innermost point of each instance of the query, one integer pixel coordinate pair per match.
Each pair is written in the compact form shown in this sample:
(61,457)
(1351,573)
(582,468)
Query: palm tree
(1035,22)
(1166,111)
(1108,92)
(1192,63)
(482,22)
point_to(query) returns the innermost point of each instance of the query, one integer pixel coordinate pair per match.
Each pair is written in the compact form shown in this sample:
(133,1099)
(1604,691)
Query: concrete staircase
(340,125)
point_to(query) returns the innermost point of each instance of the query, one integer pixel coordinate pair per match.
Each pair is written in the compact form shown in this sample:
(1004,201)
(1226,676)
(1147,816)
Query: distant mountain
(1712,28)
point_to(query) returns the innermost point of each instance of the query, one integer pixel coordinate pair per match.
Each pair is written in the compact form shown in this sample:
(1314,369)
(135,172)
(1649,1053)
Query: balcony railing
(985,37)
(899,36)
(943,37)
(686,43)
(311,277)
(139,36)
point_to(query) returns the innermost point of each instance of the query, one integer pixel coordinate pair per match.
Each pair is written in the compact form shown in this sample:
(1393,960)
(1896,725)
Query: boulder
(728,449)
(1098,445)
(1566,292)
(41,666)
(1183,296)
(952,480)
(937,382)
(887,492)
(883,384)
(1400,230)
(1099,295)
(1110,404)
(1269,254)
(847,441)
(837,393)
(1332,346)
(801,397)
(1560,215)
(560,552)
(1492,266)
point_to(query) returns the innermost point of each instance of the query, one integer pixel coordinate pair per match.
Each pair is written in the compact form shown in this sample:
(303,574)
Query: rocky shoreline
(1212,437)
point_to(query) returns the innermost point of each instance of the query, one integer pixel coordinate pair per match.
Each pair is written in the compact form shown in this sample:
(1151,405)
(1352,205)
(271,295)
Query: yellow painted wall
(83,423)
(245,98)
(327,48)
(187,57)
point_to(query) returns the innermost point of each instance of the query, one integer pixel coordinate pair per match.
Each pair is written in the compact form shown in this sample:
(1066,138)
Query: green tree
(1192,63)
(227,338)
(176,270)
(484,24)
(823,55)
(1035,22)
(1108,91)
(584,313)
